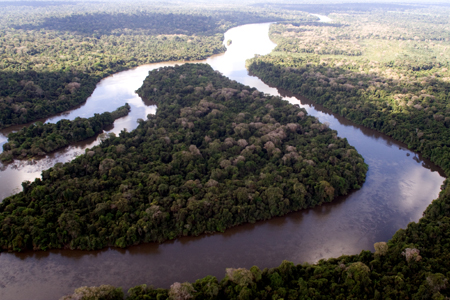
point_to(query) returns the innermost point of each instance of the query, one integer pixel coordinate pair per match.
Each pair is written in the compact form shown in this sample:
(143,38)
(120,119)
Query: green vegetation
(414,110)
(343,7)
(403,94)
(40,139)
(402,91)
(44,72)
(38,80)
(216,154)
(414,264)
(52,61)
(104,292)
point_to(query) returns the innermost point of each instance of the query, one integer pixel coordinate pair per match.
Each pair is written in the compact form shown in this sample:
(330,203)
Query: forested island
(385,73)
(39,139)
(414,112)
(51,62)
(216,154)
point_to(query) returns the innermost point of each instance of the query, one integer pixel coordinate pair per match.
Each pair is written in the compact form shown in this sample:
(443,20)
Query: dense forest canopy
(344,7)
(44,54)
(39,139)
(215,155)
(262,157)
(387,71)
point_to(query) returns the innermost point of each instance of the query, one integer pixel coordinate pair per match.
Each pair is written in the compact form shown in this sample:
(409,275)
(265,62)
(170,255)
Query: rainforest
(220,152)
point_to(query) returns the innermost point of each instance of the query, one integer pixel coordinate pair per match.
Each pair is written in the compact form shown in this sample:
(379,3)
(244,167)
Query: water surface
(399,186)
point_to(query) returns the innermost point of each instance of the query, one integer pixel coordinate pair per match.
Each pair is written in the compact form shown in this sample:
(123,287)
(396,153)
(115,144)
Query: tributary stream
(399,186)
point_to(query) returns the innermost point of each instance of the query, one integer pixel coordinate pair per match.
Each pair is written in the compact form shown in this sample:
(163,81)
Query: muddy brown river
(399,186)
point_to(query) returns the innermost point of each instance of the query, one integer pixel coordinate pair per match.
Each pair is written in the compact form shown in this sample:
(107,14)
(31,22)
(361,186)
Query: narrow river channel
(399,186)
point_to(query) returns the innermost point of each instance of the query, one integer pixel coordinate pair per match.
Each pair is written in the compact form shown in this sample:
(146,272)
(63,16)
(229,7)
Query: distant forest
(51,62)
(216,154)
(386,71)
(328,8)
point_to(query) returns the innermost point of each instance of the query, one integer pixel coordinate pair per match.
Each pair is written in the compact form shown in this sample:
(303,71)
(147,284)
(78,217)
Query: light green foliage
(208,287)
(181,291)
(358,272)
(385,274)
(389,72)
(40,139)
(397,84)
(242,277)
(185,171)
(381,248)
(52,58)
(103,292)
(436,282)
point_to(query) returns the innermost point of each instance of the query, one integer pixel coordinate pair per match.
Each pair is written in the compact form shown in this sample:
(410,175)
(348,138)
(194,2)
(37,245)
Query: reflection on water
(399,186)
(109,94)
(322,18)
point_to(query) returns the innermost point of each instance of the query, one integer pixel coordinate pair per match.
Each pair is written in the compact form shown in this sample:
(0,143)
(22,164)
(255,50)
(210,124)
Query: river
(399,186)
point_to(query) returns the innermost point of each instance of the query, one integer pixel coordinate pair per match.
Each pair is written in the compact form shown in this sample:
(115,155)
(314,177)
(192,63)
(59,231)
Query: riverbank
(310,235)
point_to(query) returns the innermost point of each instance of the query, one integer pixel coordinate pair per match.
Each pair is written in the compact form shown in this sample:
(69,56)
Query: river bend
(399,186)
